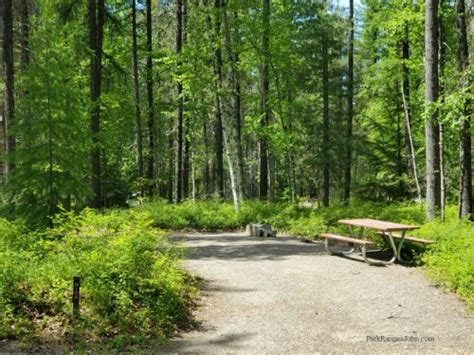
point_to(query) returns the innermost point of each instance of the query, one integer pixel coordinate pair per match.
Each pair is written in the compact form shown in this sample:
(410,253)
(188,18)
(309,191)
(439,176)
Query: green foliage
(132,287)
(450,262)
(208,215)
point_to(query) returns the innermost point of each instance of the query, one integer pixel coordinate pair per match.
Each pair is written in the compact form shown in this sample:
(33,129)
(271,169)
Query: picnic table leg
(380,263)
(360,234)
(326,246)
(399,248)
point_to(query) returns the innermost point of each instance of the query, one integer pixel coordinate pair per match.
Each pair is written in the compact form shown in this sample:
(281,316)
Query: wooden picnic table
(386,229)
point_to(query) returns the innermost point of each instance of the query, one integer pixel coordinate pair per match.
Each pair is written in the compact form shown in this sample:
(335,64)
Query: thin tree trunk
(238,102)
(442,65)
(433,183)
(180,133)
(265,87)
(406,110)
(207,168)
(150,104)
(3,144)
(465,152)
(96,9)
(232,121)
(51,202)
(171,169)
(411,154)
(9,103)
(138,119)
(219,136)
(350,107)
(400,165)
(186,165)
(193,179)
(325,142)
(186,130)
(24,34)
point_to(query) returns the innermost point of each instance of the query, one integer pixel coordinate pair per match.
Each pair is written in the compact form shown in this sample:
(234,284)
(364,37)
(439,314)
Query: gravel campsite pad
(283,296)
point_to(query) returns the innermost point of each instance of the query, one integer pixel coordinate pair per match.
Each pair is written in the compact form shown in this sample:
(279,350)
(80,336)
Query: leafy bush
(450,262)
(208,215)
(132,285)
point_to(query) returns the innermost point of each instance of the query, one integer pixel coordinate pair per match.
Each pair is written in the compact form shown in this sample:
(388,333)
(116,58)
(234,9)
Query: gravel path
(283,296)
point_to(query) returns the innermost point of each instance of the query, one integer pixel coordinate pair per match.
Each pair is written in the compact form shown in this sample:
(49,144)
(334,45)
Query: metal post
(76,295)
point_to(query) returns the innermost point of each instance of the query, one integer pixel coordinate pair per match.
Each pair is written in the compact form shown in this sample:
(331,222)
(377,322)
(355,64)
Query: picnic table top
(382,226)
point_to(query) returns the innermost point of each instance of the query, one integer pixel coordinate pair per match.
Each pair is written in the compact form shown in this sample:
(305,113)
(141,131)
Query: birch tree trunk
(232,124)
(219,134)
(231,118)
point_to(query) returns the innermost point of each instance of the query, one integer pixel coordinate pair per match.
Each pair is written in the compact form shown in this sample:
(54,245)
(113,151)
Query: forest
(122,120)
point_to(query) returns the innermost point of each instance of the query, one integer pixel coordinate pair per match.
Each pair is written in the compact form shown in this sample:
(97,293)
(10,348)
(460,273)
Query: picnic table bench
(388,230)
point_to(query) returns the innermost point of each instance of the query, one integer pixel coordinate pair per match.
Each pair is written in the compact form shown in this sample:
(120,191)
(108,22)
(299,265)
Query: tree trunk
(219,139)
(96,27)
(24,34)
(465,152)
(138,119)
(180,133)
(171,169)
(186,130)
(231,120)
(8,64)
(265,108)
(186,165)
(236,74)
(442,65)
(207,168)
(410,149)
(150,104)
(433,184)
(350,107)
(325,142)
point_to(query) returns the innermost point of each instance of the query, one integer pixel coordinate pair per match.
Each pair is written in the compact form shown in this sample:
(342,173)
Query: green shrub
(132,286)
(450,262)
(208,215)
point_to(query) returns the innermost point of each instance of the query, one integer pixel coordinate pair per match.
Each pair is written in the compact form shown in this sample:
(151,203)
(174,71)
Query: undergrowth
(132,286)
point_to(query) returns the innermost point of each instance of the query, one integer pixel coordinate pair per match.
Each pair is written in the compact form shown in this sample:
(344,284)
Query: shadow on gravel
(231,341)
(246,248)
(240,247)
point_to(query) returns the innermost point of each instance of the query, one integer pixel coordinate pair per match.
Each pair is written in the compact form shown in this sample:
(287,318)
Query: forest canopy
(110,101)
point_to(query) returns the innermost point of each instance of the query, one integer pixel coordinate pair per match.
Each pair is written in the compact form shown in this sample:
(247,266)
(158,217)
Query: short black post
(76,295)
